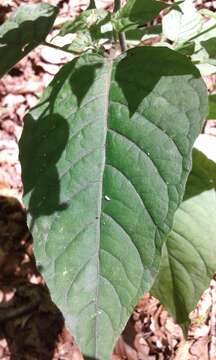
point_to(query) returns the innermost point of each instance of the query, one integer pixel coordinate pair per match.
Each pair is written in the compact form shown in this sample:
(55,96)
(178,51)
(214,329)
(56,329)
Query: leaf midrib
(106,114)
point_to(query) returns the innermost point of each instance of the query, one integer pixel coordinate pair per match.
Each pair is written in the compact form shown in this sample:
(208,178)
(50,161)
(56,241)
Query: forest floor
(31,326)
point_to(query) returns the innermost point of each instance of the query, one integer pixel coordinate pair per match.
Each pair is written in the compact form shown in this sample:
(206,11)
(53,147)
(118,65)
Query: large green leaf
(189,255)
(137,12)
(105,157)
(27,27)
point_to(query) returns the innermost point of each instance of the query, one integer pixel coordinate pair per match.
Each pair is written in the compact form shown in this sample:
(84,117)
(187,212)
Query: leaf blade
(99,200)
(187,265)
(181,26)
(23,31)
(136,13)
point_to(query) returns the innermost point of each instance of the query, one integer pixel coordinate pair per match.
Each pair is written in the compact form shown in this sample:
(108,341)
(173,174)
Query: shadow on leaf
(141,61)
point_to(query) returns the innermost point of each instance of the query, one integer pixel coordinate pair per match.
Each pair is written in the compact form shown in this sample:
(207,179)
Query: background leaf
(105,157)
(136,13)
(181,26)
(189,255)
(88,20)
(89,27)
(187,48)
(80,43)
(210,46)
(201,55)
(212,107)
(27,27)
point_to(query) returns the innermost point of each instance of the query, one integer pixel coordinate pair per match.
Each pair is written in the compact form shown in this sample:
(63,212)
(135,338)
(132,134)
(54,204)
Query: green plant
(188,259)
(105,158)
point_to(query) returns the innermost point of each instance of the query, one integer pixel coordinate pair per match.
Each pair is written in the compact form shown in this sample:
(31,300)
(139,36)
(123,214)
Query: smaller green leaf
(90,20)
(212,107)
(81,43)
(27,27)
(187,48)
(136,13)
(189,255)
(210,46)
(204,52)
(89,27)
(154,29)
(143,33)
(181,26)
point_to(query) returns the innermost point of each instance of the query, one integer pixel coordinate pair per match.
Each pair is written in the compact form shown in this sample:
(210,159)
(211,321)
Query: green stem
(56,47)
(122,41)
(117,5)
(121,35)
(91,5)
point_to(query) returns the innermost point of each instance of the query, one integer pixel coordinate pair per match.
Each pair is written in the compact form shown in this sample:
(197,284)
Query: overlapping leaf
(91,20)
(137,12)
(105,157)
(27,27)
(181,26)
(189,255)
(89,27)
(204,53)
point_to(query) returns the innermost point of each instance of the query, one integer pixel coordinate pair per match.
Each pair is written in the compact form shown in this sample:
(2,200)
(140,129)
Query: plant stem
(91,5)
(117,5)
(121,35)
(53,46)
(122,41)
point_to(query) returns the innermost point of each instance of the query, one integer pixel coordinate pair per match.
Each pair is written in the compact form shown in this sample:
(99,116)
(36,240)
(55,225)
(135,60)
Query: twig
(121,35)
(122,41)
(56,47)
